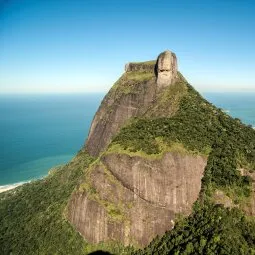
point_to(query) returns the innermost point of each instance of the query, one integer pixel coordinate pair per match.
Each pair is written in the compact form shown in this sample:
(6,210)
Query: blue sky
(65,46)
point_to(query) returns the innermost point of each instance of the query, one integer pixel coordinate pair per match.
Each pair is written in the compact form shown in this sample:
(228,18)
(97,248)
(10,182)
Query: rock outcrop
(132,199)
(166,69)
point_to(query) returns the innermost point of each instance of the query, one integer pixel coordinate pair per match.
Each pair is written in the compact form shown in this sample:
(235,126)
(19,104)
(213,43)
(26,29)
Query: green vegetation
(163,148)
(129,83)
(32,216)
(210,229)
(168,100)
(114,211)
(139,76)
(32,219)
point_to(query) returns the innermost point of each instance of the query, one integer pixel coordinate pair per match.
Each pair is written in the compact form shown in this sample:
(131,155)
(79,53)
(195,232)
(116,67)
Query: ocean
(238,105)
(39,132)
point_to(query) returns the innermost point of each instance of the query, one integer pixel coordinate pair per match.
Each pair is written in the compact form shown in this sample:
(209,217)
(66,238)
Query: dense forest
(211,229)
(31,216)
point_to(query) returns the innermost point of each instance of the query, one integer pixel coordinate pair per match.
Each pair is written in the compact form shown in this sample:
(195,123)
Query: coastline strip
(4,188)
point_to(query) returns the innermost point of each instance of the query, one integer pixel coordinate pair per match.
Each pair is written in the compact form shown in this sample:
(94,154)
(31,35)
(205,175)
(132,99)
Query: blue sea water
(238,105)
(38,132)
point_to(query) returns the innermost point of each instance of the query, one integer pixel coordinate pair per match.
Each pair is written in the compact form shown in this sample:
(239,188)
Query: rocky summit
(166,69)
(131,96)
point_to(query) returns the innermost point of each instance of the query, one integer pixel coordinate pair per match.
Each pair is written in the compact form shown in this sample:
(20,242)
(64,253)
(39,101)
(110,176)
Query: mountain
(163,171)
(127,195)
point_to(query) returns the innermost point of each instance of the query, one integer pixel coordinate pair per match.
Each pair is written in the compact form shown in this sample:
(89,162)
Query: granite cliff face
(117,108)
(132,197)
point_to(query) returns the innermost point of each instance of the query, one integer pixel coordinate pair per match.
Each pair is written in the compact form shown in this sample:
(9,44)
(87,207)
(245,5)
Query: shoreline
(7,187)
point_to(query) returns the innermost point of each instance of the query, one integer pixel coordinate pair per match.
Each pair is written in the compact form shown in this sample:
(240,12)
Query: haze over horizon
(82,46)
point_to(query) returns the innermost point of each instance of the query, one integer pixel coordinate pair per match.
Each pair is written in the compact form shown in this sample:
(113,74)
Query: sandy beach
(10,186)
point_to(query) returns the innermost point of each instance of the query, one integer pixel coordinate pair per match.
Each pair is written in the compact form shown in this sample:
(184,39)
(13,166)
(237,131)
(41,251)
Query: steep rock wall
(133,199)
(118,106)
(166,69)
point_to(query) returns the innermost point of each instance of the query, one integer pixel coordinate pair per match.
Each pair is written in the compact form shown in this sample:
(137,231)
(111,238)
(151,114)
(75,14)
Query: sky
(75,46)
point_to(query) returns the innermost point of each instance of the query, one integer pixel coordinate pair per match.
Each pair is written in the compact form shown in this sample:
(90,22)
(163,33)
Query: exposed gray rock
(116,109)
(166,69)
(134,199)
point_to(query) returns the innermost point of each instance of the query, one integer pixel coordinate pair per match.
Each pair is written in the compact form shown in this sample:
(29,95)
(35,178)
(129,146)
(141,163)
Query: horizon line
(106,91)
